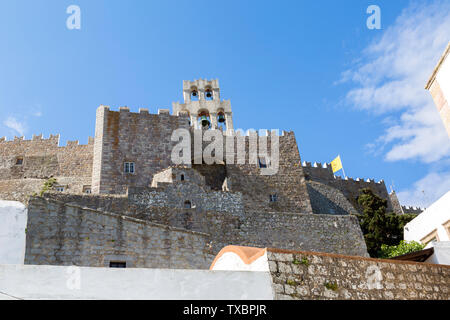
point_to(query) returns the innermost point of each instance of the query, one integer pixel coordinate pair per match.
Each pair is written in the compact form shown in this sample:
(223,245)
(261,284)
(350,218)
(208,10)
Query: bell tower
(203,104)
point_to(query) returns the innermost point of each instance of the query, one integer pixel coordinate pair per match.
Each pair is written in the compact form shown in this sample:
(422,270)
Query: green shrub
(403,248)
(48,185)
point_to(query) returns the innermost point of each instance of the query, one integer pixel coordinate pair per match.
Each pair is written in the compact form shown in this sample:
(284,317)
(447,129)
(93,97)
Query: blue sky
(308,66)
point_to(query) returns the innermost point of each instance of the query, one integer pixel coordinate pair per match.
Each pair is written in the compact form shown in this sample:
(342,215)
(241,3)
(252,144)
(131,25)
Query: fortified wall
(140,208)
(26,164)
(349,187)
(65,233)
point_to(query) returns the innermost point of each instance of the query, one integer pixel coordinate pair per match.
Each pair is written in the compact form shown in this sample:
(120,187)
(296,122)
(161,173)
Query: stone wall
(145,139)
(230,224)
(307,276)
(349,187)
(322,233)
(65,234)
(124,136)
(288,184)
(41,159)
(328,200)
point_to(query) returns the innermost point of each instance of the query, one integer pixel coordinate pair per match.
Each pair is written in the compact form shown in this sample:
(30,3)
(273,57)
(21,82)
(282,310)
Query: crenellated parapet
(39,141)
(350,187)
(52,140)
(412,210)
(317,170)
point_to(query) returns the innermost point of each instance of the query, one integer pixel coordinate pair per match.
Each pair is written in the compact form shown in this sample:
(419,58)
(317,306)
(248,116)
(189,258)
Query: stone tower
(202,103)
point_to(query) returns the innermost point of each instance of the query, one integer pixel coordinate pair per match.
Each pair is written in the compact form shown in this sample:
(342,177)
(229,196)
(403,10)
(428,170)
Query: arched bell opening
(209,94)
(221,122)
(204,120)
(194,94)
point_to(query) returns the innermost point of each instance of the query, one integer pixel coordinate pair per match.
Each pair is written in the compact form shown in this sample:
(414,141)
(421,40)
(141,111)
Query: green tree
(378,226)
(403,248)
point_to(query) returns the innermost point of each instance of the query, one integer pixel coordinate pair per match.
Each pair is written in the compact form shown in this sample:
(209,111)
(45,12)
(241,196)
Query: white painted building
(68,282)
(13,222)
(431,225)
(439,87)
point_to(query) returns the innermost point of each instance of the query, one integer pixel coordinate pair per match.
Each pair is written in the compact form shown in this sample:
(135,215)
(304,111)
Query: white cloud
(427,190)
(390,82)
(15,125)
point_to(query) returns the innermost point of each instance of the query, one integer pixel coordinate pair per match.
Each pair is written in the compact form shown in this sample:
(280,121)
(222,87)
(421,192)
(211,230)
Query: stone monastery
(120,201)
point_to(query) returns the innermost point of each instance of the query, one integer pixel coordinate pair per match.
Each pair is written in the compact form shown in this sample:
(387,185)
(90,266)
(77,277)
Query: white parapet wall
(65,282)
(433,221)
(13,222)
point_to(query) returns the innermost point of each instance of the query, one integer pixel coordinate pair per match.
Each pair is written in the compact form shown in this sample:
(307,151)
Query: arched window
(204,119)
(209,94)
(182,177)
(187,204)
(194,94)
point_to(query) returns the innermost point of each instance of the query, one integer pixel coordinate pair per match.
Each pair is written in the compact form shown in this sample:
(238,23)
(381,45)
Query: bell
(208,94)
(221,118)
(205,121)
(194,93)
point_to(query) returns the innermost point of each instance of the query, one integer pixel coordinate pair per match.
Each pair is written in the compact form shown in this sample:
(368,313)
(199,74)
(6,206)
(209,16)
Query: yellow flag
(336,164)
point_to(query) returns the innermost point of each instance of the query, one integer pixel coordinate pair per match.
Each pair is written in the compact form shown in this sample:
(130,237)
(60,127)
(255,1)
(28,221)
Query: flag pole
(342,166)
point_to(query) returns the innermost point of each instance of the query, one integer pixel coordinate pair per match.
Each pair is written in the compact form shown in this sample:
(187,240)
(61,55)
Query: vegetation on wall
(403,248)
(48,185)
(380,228)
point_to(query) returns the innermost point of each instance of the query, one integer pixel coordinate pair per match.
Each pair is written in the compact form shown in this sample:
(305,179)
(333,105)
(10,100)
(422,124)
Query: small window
(59,188)
(19,161)
(262,162)
(273,198)
(187,204)
(447,227)
(182,177)
(117,264)
(128,167)
(87,189)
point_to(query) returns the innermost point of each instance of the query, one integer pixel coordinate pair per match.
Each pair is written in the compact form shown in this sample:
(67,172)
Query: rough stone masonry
(120,198)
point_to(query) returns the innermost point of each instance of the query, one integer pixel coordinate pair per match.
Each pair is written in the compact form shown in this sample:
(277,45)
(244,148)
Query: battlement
(53,139)
(318,166)
(144,111)
(412,210)
(39,140)
(259,133)
(200,84)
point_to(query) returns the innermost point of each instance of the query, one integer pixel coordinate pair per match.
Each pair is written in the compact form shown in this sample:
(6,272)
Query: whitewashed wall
(13,221)
(62,282)
(441,253)
(432,218)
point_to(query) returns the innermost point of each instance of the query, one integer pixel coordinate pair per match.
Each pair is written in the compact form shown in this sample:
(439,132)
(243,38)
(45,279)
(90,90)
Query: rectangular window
(447,227)
(59,188)
(273,198)
(117,264)
(431,237)
(19,161)
(262,162)
(129,167)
